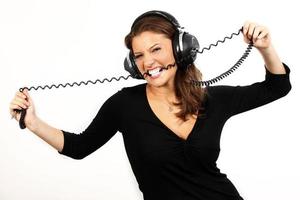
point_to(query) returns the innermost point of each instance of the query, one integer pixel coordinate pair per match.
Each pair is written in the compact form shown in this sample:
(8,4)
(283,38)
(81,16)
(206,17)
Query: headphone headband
(158,13)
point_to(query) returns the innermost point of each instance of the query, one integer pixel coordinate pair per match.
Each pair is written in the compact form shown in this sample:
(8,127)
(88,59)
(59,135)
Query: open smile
(154,73)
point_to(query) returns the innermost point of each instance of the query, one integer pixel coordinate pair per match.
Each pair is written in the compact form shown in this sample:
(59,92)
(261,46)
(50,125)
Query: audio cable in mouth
(147,73)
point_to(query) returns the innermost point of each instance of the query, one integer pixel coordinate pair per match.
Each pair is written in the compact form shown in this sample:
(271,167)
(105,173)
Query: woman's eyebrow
(137,52)
(153,45)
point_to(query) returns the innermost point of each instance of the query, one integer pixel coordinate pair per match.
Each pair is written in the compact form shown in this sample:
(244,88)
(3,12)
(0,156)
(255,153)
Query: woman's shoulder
(126,95)
(219,90)
(220,94)
(132,90)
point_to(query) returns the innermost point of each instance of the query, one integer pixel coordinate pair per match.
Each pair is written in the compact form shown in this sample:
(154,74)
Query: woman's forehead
(147,39)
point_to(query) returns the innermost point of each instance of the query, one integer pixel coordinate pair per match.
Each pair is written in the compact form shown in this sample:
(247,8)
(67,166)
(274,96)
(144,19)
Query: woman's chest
(148,133)
(147,138)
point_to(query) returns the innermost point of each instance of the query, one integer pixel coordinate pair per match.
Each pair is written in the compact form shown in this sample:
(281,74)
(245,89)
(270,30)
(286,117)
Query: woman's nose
(148,60)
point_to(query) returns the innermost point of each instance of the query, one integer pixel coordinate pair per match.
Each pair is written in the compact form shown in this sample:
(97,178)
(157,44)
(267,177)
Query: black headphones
(185,45)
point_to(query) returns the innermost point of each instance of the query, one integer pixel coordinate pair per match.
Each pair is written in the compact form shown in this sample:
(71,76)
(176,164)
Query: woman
(171,129)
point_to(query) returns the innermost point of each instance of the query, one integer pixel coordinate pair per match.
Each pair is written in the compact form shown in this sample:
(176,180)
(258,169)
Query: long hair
(190,98)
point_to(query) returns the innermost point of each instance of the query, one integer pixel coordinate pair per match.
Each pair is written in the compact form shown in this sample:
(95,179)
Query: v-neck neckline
(163,124)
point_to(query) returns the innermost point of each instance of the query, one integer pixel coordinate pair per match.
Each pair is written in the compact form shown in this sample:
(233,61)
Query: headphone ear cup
(185,48)
(177,49)
(190,48)
(131,67)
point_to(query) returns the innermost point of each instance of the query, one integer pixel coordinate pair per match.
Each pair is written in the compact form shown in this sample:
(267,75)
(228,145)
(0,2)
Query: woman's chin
(158,82)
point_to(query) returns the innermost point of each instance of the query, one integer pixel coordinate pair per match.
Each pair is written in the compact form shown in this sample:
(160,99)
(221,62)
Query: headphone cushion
(185,48)
(131,67)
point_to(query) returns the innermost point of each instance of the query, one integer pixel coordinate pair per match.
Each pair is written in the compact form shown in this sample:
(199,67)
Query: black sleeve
(238,99)
(105,124)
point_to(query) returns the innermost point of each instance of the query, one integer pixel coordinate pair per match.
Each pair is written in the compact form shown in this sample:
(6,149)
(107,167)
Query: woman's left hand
(258,34)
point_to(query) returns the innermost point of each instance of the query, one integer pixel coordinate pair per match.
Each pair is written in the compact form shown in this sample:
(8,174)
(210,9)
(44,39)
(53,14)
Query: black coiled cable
(193,82)
(230,70)
(74,83)
(23,111)
(221,41)
(227,73)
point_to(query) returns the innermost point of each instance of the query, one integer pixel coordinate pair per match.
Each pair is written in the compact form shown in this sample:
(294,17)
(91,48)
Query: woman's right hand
(22,100)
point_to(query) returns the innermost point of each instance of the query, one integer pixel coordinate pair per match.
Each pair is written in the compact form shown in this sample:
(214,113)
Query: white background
(58,41)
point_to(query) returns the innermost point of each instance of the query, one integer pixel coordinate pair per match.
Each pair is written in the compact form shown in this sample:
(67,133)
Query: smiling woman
(171,129)
(155,41)
(157,54)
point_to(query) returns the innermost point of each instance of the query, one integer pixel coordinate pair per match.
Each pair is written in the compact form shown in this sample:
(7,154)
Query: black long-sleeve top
(166,166)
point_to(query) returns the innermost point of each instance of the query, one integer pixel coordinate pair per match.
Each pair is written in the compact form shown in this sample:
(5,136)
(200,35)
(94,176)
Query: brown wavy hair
(190,98)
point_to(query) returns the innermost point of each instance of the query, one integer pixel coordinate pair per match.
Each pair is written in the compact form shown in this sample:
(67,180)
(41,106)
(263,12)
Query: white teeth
(154,71)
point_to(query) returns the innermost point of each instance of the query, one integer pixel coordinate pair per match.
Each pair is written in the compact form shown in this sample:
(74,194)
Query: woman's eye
(137,56)
(156,49)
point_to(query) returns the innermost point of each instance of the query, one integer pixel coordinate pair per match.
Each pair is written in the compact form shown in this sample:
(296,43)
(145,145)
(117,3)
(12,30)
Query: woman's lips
(156,72)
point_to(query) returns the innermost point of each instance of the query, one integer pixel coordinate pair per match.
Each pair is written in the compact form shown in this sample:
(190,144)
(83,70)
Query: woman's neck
(166,93)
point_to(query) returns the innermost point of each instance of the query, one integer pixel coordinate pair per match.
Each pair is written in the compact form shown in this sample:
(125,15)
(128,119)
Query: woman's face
(151,52)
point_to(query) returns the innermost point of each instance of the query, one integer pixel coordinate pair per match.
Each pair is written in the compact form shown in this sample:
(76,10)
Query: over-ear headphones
(185,45)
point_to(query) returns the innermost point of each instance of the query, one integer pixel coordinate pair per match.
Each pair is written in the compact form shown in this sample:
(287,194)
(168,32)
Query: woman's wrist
(268,51)
(33,124)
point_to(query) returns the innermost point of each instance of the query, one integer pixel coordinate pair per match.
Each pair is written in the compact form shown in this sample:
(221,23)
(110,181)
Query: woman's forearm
(272,60)
(51,135)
